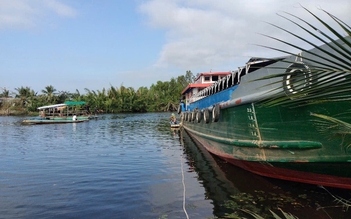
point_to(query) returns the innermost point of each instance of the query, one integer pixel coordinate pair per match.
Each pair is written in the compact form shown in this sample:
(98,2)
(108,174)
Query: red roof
(190,86)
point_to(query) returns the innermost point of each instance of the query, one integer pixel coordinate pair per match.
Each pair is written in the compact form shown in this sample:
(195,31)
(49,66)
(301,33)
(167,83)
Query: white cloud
(60,8)
(27,13)
(207,33)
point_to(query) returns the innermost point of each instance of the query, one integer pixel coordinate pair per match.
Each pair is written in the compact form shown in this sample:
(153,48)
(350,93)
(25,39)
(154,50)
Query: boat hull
(70,117)
(278,142)
(297,172)
(49,121)
(176,126)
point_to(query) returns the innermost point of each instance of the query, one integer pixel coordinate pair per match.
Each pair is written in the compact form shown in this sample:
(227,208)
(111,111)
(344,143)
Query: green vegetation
(162,96)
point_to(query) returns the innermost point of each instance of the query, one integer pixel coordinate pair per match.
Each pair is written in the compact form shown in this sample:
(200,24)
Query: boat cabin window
(214,78)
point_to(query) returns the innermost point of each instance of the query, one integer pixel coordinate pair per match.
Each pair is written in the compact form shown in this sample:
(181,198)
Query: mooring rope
(183,181)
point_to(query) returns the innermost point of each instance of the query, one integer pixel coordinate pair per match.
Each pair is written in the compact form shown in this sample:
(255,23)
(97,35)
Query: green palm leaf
(327,77)
(334,128)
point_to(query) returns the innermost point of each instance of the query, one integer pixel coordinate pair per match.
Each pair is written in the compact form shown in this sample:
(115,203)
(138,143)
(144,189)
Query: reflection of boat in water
(217,187)
(233,189)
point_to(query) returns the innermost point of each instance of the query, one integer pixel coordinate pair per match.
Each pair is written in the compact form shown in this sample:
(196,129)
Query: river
(133,166)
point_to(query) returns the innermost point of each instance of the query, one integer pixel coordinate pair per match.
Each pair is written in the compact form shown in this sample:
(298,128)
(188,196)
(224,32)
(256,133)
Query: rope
(184,209)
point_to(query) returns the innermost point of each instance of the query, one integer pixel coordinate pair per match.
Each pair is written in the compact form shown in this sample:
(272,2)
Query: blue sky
(95,44)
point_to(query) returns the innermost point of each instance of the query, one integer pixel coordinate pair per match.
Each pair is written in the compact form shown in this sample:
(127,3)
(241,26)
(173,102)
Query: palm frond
(334,128)
(253,214)
(339,200)
(332,125)
(325,72)
(276,216)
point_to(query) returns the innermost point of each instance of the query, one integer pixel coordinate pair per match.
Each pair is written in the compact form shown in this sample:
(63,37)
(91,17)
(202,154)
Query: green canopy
(72,103)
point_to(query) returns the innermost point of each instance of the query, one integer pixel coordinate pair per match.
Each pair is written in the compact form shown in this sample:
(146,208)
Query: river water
(133,166)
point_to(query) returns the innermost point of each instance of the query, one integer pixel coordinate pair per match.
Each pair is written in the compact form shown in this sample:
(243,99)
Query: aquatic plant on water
(285,214)
(261,204)
(344,203)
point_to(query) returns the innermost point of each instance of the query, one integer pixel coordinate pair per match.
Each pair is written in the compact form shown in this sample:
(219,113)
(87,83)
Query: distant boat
(42,121)
(176,127)
(286,117)
(68,112)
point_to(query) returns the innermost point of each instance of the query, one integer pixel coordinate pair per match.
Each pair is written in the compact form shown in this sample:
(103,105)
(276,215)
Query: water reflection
(129,166)
(74,127)
(234,190)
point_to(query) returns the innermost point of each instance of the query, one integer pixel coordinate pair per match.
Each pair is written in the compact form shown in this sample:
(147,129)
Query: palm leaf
(286,215)
(253,214)
(334,128)
(276,216)
(333,125)
(327,77)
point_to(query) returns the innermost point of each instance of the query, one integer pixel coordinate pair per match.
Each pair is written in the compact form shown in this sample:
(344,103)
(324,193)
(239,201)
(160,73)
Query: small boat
(286,118)
(41,121)
(176,127)
(68,112)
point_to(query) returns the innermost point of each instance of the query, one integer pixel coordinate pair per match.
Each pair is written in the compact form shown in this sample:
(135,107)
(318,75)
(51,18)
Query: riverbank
(12,107)
(16,112)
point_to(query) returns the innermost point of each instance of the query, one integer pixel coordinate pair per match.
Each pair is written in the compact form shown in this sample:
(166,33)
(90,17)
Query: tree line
(162,96)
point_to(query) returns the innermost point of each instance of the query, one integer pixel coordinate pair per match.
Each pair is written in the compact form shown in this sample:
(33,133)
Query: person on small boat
(42,113)
(173,119)
(74,118)
(87,108)
(96,111)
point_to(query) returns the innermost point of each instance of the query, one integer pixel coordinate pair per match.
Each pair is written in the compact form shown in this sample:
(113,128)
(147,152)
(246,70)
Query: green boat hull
(279,142)
(49,121)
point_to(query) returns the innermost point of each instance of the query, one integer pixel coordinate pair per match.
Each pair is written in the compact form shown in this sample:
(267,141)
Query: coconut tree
(24,92)
(101,99)
(62,96)
(76,96)
(112,102)
(28,98)
(189,77)
(142,100)
(5,93)
(49,91)
(90,97)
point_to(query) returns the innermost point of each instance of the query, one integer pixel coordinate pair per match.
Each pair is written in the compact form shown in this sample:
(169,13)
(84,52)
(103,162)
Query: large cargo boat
(286,117)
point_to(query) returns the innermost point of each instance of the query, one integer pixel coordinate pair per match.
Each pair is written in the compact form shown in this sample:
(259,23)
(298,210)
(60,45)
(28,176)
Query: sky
(95,44)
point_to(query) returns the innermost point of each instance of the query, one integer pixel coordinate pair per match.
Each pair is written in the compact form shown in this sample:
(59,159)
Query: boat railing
(222,84)
(66,113)
(234,78)
(195,98)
